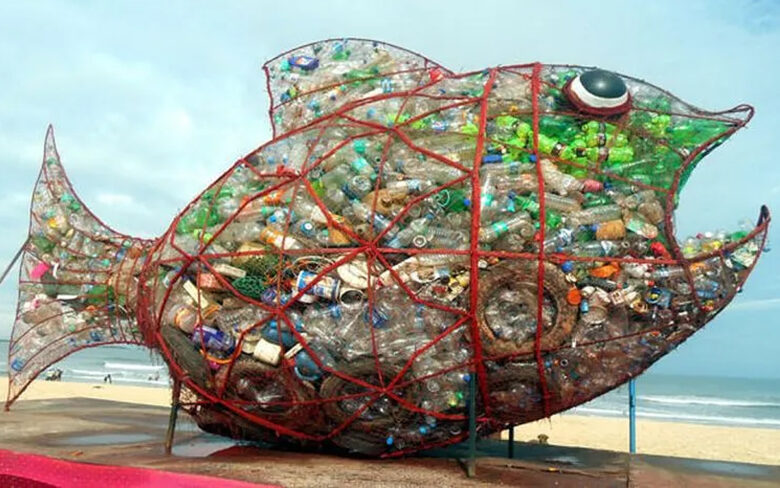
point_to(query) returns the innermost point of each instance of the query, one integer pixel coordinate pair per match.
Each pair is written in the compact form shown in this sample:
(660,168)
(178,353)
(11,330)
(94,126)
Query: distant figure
(542,438)
(107,379)
(54,375)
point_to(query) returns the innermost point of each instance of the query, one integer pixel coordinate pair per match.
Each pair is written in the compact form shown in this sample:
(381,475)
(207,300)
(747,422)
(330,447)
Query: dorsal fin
(317,79)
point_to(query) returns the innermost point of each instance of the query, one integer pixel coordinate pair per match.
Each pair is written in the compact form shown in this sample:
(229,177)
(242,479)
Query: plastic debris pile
(410,230)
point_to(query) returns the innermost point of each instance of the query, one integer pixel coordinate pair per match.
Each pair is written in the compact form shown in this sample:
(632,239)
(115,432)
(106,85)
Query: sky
(150,103)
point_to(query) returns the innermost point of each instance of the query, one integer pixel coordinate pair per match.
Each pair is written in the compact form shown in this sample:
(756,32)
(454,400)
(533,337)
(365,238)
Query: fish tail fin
(77,280)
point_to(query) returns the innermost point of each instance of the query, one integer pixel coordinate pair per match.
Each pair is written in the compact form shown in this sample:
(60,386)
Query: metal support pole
(176,392)
(511,447)
(632,416)
(13,261)
(471,463)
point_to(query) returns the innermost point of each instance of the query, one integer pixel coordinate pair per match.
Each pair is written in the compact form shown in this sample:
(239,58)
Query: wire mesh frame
(377,252)
(474,252)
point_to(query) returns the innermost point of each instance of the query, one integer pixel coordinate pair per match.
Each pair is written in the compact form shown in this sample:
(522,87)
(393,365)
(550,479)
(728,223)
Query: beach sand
(751,445)
(44,390)
(748,445)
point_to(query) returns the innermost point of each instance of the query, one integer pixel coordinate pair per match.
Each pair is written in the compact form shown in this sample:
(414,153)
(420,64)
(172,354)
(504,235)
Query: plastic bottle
(336,177)
(596,215)
(305,209)
(406,235)
(560,203)
(364,214)
(558,181)
(276,238)
(182,316)
(519,222)
(559,241)
(668,272)
(213,339)
(438,173)
(357,187)
(596,248)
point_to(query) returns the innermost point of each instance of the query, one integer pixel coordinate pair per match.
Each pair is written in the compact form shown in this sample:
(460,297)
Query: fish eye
(599,92)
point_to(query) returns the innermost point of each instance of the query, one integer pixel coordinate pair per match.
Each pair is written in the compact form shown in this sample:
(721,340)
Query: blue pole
(632,416)
(471,465)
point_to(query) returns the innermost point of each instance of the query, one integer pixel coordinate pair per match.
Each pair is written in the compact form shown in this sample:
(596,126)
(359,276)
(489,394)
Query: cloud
(143,126)
(115,199)
(758,304)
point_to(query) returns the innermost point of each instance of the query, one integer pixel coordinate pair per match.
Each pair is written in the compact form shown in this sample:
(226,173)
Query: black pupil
(603,83)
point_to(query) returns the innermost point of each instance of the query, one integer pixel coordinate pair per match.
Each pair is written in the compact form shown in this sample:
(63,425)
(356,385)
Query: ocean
(127,365)
(749,402)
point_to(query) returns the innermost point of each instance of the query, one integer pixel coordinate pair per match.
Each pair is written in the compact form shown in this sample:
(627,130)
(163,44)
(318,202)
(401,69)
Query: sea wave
(133,366)
(133,381)
(703,400)
(116,377)
(705,419)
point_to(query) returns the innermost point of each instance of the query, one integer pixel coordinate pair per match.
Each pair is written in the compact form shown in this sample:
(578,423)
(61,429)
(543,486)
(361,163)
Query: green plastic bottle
(694,132)
(562,128)
(453,200)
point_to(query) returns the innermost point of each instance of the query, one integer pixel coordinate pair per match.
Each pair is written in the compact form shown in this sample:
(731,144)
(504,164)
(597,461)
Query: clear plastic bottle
(363,213)
(596,215)
(560,241)
(336,177)
(443,237)
(182,316)
(406,235)
(357,187)
(596,248)
(668,272)
(519,222)
(560,203)
(558,181)
(437,173)
(335,200)
(303,208)
(410,186)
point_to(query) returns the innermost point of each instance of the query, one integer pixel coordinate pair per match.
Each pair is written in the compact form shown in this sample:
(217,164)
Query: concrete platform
(107,432)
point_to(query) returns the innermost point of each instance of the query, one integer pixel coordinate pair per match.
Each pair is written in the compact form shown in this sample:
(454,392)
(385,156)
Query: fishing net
(410,232)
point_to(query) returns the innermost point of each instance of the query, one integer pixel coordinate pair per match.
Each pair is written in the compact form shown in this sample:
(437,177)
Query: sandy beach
(44,390)
(743,444)
(751,445)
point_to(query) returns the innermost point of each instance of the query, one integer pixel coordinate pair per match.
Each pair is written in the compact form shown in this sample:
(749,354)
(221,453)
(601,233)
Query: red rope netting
(409,230)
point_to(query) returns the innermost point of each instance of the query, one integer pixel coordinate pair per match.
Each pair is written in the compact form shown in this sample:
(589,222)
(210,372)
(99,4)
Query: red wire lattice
(379,401)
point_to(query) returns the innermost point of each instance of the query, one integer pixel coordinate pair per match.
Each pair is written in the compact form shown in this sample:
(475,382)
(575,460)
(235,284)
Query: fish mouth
(725,258)
(716,265)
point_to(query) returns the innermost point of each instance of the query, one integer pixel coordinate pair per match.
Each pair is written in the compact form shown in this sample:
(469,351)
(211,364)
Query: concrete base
(106,432)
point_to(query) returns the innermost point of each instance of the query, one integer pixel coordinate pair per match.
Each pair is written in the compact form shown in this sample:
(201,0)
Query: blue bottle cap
(532,158)
(567,267)
(389,441)
(306,63)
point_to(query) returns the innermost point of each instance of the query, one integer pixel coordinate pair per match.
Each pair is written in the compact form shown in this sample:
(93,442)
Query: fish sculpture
(407,233)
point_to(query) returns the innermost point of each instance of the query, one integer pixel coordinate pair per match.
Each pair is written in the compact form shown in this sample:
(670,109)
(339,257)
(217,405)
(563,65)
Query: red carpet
(19,470)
